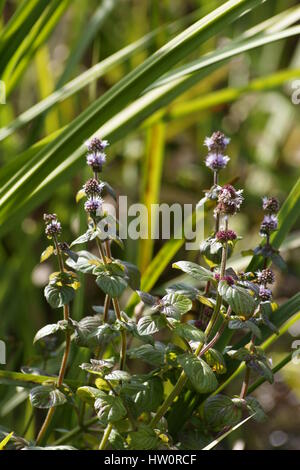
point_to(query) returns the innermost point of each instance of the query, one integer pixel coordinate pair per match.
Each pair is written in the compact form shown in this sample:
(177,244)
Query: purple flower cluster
(225,236)
(96,156)
(53,226)
(266,276)
(270,220)
(229,200)
(265,294)
(216,144)
(92,187)
(93,206)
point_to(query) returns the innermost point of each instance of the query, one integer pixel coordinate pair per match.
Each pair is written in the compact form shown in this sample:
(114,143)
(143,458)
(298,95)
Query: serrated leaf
(88,394)
(87,236)
(85,262)
(118,375)
(58,296)
(98,366)
(47,253)
(109,409)
(46,331)
(46,396)
(150,396)
(256,409)
(175,305)
(85,330)
(150,324)
(220,411)
(199,373)
(111,285)
(194,270)
(189,332)
(241,302)
(216,361)
(148,353)
(133,273)
(238,324)
(143,439)
(148,299)
(183,289)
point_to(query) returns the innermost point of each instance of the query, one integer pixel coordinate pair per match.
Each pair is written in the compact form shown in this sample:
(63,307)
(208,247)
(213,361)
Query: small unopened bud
(92,187)
(224,236)
(266,276)
(265,294)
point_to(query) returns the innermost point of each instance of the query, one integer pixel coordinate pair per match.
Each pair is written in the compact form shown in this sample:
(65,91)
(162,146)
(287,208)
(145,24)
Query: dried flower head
(217,142)
(229,200)
(270,205)
(224,236)
(94,205)
(265,294)
(266,276)
(268,225)
(92,187)
(216,161)
(96,145)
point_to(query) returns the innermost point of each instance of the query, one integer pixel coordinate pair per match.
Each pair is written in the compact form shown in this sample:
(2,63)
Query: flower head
(217,142)
(268,225)
(95,145)
(224,236)
(266,276)
(265,294)
(270,205)
(96,161)
(216,161)
(53,226)
(229,200)
(92,187)
(92,206)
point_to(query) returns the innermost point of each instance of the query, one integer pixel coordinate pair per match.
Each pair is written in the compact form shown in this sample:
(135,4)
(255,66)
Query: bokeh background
(256,113)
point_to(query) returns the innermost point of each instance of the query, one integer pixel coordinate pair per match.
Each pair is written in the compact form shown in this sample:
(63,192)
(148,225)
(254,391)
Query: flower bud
(270,205)
(268,225)
(265,294)
(224,236)
(266,276)
(217,142)
(229,200)
(96,145)
(92,187)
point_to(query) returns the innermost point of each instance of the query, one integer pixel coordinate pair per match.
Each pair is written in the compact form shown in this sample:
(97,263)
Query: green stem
(105,437)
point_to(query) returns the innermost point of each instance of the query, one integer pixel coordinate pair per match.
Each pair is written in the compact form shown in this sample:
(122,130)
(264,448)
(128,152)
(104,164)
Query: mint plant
(176,402)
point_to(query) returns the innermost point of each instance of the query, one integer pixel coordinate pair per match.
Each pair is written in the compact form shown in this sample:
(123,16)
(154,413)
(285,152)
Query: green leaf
(98,366)
(85,263)
(189,332)
(88,394)
(220,411)
(143,439)
(46,331)
(197,272)
(175,305)
(5,440)
(262,368)
(216,361)
(199,373)
(85,330)
(183,289)
(150,324)
(118,375)
(58,296)
(47,253)
(110,279)
(237,324)
(150,396)
(46,396)
(154,355)
(255,408)
(109,409)
(133,273)
(239,299)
